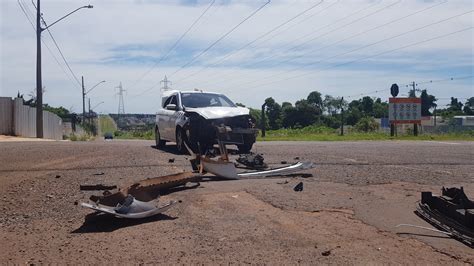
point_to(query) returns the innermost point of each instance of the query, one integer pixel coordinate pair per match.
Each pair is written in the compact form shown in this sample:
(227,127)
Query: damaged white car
(192,117)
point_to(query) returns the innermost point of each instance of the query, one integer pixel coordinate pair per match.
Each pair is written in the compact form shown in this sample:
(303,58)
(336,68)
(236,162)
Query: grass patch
(313,133)
(107,124)
(147,135)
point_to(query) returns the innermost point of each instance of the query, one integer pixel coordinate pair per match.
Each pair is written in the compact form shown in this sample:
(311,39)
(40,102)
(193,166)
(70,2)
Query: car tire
(180,139)
(158,141)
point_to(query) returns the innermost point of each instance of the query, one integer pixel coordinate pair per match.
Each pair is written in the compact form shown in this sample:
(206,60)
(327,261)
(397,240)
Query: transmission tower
(165,82)
(121,106)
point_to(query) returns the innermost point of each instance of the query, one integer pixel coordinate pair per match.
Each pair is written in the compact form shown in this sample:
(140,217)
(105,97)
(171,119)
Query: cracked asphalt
(346,214)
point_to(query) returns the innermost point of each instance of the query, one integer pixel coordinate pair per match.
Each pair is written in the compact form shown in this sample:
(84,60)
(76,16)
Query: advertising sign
(404,110)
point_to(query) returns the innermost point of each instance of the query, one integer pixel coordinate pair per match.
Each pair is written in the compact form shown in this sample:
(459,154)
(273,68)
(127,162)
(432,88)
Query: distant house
(464,120)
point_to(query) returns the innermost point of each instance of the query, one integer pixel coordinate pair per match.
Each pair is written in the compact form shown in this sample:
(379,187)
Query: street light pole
(39,80)
(84,93)
(39,85)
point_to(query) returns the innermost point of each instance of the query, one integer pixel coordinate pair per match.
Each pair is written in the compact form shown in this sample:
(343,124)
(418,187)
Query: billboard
(404,110)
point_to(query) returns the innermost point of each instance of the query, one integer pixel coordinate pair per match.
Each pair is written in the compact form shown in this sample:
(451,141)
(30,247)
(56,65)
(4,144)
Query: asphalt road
(356,195)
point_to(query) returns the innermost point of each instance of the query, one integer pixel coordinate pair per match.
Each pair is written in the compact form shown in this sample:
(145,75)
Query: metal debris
(452,212)
(130,208)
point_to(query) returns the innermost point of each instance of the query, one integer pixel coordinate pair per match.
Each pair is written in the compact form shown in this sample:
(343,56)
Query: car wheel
(158,141)
(180,139)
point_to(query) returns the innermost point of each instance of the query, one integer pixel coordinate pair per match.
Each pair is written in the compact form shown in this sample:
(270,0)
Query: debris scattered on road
(252,160)
(283,162)
(96,187)
(101,173)
(326,253)
(130,208)
(283,182)
(171,160)
(452,212)
(298,187)
(57,176)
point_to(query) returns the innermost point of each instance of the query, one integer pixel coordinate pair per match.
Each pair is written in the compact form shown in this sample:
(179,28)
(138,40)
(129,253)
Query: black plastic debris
(171,160)
(298,187)
(252,160)
(96,187)
(452,212)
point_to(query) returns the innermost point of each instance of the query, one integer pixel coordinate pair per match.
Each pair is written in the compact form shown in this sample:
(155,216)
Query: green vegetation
(148,134)
(74,137)
(321,133)
(107,124)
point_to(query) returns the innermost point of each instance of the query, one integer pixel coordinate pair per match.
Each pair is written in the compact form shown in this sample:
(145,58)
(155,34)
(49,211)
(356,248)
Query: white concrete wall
(6,116)
(20,120)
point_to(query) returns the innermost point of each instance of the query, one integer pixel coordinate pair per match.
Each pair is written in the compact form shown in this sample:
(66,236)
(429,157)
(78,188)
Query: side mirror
(171,106)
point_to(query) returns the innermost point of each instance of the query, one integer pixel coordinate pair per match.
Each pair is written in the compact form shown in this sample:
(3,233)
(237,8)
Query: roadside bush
(367,124)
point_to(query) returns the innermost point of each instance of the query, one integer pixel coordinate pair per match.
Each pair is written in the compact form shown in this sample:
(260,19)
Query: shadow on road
(100,223)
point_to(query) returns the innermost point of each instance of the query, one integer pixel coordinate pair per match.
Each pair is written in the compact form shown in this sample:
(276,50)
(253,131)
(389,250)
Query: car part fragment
(452,212)
(252,160)
(130,208)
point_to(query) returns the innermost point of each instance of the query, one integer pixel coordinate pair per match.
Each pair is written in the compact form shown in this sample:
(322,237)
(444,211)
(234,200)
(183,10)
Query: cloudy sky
(284,49)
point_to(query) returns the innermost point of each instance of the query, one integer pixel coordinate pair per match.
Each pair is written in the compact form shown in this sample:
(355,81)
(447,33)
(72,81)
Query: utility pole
(342,116)
(83,101)
(263,119)
(39,82)
(39,79)
(90,118)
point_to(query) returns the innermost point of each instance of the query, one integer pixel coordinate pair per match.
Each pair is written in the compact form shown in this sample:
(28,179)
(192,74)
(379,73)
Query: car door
(164,118)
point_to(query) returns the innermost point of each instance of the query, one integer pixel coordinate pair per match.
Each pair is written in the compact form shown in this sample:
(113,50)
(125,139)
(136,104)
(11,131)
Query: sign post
(405,111)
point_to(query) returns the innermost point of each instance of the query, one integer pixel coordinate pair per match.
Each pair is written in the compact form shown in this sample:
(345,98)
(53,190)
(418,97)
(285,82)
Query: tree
(427,102)
(273,113)
(314,98)
(455,105)
(367,105)
(380,108)
(469,106)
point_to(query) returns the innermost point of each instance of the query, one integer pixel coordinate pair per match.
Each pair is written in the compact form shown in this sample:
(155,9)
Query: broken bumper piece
(452,212)
(130,208)
(227,169)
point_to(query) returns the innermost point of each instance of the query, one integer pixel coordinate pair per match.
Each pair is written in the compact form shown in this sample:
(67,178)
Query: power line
(257,39)
(350,37)
(47,46)
(60,52)
(221,38)
(326,33)
(439,80)
(372,56)
(175,43)
(362,47)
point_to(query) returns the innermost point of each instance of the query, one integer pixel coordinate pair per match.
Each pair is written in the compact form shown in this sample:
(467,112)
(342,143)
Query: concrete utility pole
(342,116)
(39,79)
(83,100)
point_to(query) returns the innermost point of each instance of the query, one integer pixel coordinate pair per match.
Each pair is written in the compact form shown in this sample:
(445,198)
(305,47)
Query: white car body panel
(219,112)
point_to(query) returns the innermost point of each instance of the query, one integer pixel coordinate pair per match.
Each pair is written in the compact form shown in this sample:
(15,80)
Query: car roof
(170,92)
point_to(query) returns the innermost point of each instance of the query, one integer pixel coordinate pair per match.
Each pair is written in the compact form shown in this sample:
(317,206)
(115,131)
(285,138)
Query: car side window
(173,100)
(167,102)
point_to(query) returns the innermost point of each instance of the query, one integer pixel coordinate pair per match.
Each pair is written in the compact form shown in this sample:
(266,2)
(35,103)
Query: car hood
(219,112)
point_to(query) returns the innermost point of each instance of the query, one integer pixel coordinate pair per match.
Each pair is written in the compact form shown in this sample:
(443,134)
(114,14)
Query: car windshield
(196,100)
